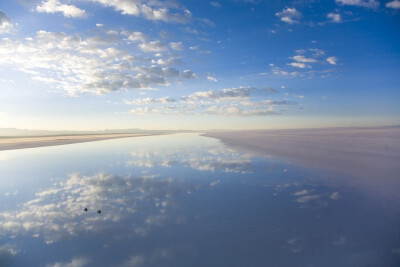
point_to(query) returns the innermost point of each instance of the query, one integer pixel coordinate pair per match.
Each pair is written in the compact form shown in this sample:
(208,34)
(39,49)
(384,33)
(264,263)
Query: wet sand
(40,141)
(370,154)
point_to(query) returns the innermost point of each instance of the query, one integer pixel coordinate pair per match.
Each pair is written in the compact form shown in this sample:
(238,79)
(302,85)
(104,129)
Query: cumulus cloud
(168,11)
(172,60)
(231,102)
(304,61)
(332,60)
(334,17)
(92,64)
(53,6)
(363,3)
(135,36)
(5,23)
(290,15)
(394,4)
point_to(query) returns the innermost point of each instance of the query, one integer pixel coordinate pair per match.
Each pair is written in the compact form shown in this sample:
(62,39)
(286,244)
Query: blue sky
(238,64)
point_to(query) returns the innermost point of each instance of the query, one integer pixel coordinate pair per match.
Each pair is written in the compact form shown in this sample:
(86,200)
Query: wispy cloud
(363,3)
(215,4)
(393,4)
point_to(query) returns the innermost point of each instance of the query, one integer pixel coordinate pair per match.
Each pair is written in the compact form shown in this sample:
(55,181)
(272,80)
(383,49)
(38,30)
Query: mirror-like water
(184,200)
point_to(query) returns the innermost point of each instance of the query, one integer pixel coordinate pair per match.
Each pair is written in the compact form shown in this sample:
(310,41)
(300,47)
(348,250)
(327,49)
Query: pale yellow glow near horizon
(186,122)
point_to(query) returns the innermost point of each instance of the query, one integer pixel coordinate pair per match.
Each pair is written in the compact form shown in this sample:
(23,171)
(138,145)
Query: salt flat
(370,154)
(40,141)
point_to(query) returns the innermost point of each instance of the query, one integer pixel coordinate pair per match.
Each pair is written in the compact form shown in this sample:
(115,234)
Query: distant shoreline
(21,142)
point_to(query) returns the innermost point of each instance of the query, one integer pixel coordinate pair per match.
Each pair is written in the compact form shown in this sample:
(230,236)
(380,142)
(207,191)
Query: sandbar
(11,143)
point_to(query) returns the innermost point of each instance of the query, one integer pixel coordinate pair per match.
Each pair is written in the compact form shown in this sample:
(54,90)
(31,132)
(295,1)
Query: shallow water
(184,200)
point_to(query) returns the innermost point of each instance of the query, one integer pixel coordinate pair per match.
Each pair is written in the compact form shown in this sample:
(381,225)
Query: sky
(199,65)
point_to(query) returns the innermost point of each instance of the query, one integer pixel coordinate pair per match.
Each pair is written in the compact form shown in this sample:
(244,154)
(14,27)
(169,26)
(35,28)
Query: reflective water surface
(184,200)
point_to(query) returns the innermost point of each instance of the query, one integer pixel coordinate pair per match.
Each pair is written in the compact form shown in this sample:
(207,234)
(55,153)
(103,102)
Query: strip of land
(10,143)
(367,153)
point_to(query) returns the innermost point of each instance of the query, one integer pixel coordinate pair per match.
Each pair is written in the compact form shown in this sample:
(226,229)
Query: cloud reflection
(212,159)
(57,212)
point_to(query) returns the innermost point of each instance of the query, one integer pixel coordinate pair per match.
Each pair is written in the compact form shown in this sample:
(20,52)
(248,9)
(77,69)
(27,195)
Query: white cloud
(172,60)
(5,23)
(332,60)
(135,36)
(168,11)
(53,6)
(334,17)
(149,100)
(221,95)
(176,46)
(154,46)
(290,15)
(211,78)
(75,262)
(303,59)
(231,102)
(237,111)
(93,64)
(306,199)
(363,3)
(301,193)
(394,4)
(299,65)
